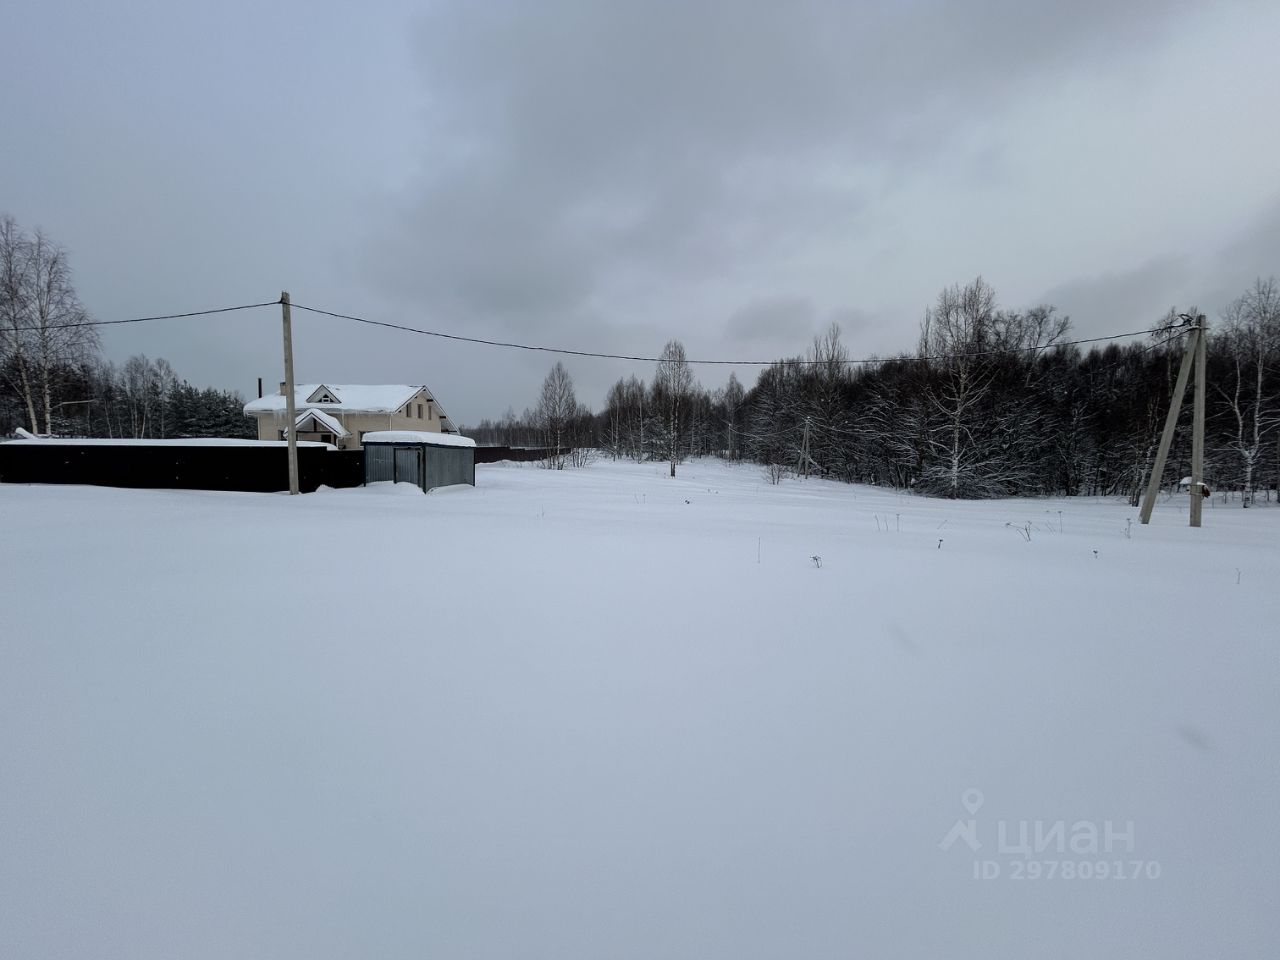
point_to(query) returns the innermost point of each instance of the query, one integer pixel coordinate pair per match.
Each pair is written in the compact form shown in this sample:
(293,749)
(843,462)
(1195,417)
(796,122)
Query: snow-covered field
(602,713)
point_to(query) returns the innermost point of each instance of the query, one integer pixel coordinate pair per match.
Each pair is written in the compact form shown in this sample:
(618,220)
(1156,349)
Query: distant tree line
(991,403)
(53,379)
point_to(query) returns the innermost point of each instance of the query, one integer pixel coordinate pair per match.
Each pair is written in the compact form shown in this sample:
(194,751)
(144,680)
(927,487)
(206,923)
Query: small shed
(427,460)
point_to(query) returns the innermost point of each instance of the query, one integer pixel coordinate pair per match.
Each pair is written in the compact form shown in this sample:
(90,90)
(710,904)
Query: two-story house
(343,413)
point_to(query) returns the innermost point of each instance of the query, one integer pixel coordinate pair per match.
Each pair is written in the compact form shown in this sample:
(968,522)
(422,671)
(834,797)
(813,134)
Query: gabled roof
(323,394)
(351,397)
(324,422)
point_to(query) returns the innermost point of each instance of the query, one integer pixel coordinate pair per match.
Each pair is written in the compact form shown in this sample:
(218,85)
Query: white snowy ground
(602,713)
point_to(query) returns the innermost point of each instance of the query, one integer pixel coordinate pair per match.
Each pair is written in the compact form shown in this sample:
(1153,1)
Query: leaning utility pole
(1193,351)
(290,412)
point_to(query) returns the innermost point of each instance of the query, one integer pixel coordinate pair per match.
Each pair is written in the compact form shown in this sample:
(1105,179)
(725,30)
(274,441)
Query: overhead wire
(743,363)
(595,354)
(163,316)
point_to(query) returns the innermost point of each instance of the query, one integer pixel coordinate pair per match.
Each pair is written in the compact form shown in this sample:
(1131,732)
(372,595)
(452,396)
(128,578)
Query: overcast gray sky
(606,175)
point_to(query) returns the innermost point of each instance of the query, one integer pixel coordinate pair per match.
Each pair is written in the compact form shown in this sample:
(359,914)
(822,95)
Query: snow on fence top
(178,442)
(417,436)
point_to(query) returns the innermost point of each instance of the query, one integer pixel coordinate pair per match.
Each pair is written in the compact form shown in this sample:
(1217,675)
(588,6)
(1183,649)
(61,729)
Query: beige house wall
(406,418)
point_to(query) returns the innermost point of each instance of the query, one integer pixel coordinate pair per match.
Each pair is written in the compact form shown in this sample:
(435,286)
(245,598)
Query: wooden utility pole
(804,450)
(1197,426)
(290,410)
(1193,351)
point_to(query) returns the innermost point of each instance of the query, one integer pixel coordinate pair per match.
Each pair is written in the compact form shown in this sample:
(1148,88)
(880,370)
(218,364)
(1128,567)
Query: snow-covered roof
(325,422)
(362,397)
(417,436)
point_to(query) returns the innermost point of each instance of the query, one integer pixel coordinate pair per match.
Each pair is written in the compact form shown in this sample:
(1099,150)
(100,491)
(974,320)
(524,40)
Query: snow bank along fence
(251,466)
(428,460)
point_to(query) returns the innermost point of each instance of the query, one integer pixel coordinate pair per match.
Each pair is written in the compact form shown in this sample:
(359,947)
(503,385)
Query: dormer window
(323,394)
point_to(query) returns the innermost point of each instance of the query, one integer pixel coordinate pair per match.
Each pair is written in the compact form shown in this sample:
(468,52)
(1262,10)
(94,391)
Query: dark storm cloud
(1137,298)
(600,174)
(768,320)
(585,153)
(1131,300)
(1253,253)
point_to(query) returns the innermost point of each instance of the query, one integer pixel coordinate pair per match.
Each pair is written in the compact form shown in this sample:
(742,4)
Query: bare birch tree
(955,332)
(731,400)
(985,430)
(672,385)
(1251,341)
(42,322)
(557,406)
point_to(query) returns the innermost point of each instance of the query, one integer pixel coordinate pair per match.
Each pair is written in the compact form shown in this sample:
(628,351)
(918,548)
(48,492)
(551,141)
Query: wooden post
(290,409)
(804,451)
(1197,426)
(1170,422)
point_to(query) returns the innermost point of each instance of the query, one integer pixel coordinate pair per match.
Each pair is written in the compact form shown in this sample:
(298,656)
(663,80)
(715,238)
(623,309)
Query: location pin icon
(972,800)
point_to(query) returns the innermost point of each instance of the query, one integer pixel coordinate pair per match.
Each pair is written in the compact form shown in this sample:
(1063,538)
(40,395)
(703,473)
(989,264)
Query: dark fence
(494,454)
(246,468)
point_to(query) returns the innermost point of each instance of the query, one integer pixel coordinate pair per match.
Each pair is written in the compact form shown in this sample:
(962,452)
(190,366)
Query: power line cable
(591,353)
(744,363)
(164,316)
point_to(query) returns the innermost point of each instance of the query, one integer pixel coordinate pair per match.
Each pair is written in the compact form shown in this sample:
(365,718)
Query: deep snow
(602,713)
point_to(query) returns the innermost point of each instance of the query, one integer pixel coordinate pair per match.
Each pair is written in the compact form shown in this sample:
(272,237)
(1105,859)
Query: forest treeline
(992,402)
(141,398)
(53,378)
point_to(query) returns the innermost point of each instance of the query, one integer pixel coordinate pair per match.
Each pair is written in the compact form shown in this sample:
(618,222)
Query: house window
(419,411)
(430,415)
